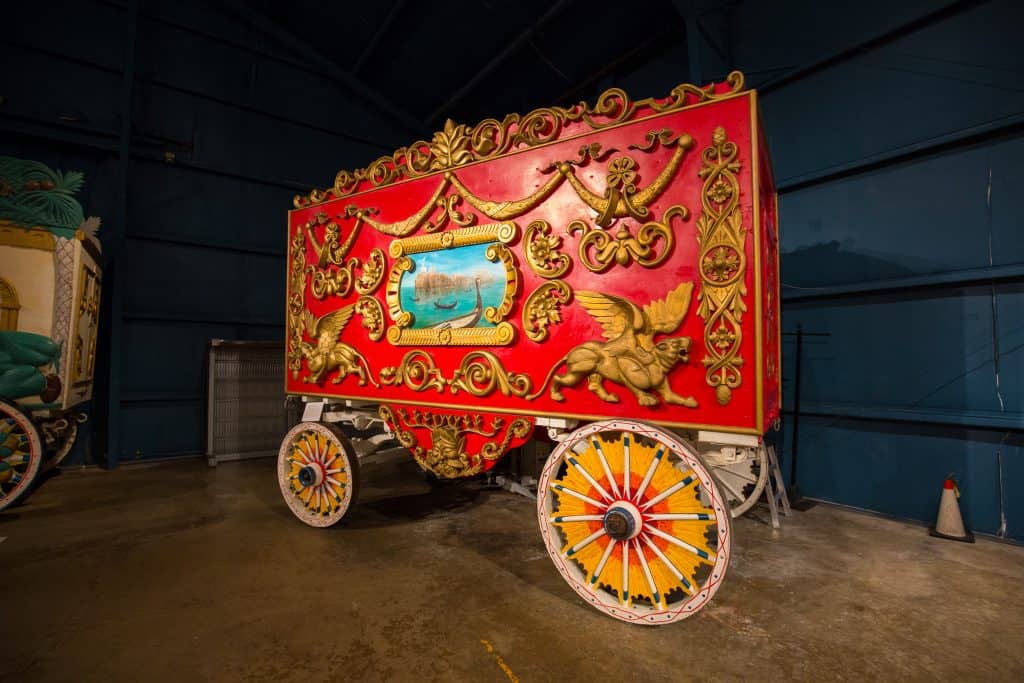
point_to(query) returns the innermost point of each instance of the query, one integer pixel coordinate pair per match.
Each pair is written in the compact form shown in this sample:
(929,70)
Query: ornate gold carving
(446,455)
(621,197)
(723,264)
(505,210)
(325,283)
(296,304)
(481,374)
(373,316)
(480,234)
(542,308)
(598,250)
(373,272)
(417,371)
(542,251)
(499,252)
(331,250)
(630,356)
(330,353)
(86,322)
(458,145)
(503,333)
(403,227)
(15,235)
(331,274)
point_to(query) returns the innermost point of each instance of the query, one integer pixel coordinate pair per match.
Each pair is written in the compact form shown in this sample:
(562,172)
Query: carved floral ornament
(458,144)
(445,436)
(722,239)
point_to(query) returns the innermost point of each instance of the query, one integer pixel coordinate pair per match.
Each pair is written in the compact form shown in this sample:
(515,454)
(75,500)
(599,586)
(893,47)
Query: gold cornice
(458,145)
(16,235)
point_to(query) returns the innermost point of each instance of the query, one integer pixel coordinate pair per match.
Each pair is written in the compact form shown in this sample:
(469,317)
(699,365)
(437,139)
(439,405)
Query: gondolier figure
(22,354)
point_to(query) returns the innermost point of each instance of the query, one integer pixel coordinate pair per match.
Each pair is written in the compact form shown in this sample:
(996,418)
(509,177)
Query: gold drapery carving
(458,144)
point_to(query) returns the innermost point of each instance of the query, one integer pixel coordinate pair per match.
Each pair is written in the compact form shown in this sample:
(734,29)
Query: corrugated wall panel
(900,163)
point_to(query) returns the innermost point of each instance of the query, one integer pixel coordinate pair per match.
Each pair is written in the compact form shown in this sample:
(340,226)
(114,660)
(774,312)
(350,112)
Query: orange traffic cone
(950,524)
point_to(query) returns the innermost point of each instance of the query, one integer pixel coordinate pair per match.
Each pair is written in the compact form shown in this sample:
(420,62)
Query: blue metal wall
(192,174)
(896,129)
(897,138)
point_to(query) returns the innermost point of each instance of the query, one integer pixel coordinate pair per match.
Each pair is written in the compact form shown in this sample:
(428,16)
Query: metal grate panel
(246,413)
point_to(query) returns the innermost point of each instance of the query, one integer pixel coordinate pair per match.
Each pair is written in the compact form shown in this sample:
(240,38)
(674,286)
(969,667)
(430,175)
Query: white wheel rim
(737,478)
(315,472)
(21,452)
(666,578)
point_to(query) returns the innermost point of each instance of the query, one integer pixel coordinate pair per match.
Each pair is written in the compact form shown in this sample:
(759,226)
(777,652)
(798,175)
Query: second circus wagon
(608,273)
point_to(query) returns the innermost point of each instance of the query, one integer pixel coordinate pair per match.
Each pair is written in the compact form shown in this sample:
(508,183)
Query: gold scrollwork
(373,316)
(542,308)
(296,305)
(458,144)
(722,263)
(373,272)
(480,234)
(598,250)
(417,371)
(328,282)
(446,454)
(481,374)
(542,251)
(499,252)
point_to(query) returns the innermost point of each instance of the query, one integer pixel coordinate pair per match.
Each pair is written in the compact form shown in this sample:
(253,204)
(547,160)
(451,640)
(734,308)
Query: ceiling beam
(300,46)
(497,61)
(378,35)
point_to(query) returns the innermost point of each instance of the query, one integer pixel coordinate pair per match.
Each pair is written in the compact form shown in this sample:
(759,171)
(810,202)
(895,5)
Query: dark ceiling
(471,59)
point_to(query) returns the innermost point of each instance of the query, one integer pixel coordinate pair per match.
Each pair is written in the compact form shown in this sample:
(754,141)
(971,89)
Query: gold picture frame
(461,328)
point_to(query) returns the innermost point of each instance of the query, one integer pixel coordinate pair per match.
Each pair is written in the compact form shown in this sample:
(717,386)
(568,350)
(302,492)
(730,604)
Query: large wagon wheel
(634,521)
(742,473)
(21,452)
(318,472)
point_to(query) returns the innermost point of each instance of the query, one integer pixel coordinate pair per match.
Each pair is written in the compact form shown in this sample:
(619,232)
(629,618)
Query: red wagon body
(615,262)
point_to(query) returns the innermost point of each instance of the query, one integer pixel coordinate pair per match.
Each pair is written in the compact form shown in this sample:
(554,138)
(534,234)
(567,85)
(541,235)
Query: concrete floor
(181,572)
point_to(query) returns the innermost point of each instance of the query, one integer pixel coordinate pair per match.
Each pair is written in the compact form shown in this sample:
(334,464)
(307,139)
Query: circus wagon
(49,314)
(604,277)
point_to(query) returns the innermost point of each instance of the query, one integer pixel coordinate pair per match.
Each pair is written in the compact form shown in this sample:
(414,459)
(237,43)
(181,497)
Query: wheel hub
(311,475)
(622,521)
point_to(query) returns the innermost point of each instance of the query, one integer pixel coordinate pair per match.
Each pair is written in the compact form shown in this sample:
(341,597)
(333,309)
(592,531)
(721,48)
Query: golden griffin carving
(330,353)
(630,356)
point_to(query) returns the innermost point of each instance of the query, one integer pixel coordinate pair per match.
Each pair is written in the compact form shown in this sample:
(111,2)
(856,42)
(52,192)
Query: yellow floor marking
(501,662)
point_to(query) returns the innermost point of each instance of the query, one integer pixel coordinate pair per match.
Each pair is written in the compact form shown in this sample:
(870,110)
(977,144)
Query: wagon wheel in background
(318,472)
(742,474)
(59,436)
(21,452)
(634,521)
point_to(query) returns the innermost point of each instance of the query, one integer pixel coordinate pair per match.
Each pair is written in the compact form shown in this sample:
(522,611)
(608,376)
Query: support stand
(775,489)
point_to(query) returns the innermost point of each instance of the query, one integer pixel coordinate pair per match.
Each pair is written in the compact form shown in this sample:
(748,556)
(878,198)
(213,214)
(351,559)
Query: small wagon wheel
(634,521)
(742,473)
(21,453)
(318,472)
(61,450)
